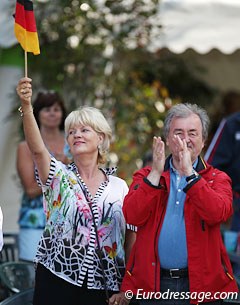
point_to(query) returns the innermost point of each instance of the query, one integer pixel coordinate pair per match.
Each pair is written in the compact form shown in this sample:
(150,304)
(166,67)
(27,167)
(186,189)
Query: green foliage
(96,53)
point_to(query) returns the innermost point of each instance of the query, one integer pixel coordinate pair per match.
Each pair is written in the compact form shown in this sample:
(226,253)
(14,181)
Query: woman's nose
(77,133)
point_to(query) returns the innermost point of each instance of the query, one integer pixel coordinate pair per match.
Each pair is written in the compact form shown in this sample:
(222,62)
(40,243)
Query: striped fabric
(25,26)
(68,246)
(208,157)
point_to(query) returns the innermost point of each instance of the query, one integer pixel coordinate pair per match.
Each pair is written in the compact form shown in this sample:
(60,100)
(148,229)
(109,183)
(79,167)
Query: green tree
(97,53)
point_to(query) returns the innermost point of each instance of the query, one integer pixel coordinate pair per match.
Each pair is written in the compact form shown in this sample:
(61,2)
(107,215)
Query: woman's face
(83,140)
(51,117)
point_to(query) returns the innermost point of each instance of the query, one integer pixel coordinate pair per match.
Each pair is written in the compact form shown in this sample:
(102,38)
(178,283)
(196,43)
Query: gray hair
(93,117)
(183,111)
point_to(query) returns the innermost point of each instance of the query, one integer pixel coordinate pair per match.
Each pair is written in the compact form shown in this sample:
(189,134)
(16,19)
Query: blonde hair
(93,117)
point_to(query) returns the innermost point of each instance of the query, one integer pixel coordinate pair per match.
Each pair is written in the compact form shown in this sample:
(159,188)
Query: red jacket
(208,203)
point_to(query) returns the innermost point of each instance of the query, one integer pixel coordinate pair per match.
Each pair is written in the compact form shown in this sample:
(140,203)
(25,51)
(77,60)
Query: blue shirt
(172,246)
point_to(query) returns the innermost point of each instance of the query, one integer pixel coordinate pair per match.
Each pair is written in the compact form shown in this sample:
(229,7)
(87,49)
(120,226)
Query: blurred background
(132,59)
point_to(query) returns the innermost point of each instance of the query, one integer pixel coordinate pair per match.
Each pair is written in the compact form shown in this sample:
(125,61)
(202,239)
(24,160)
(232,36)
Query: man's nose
(185,137)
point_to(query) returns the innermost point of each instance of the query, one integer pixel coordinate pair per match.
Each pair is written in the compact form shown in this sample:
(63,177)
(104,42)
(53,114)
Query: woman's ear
(101,138)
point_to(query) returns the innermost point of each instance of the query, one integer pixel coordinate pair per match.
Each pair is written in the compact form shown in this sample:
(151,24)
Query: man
(223,153)
(178,206)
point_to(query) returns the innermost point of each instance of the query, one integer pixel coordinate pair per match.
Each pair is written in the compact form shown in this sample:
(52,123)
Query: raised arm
(40,154)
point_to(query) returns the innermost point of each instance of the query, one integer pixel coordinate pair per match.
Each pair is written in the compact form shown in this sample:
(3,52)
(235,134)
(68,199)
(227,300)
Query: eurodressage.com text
(168,295)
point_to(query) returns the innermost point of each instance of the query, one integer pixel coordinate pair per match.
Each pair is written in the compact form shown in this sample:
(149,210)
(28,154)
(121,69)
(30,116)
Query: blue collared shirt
(172,246)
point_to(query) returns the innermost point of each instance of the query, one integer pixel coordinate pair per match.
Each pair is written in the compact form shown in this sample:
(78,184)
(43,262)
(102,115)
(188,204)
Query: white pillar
(10,189)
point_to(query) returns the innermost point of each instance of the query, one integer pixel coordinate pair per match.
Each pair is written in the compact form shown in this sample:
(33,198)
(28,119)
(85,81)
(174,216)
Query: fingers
(24,93)
(24,89)
(118,299)
(158,144)
(25,80)
(158,154)
(156,140)
(113,300)
(178,143)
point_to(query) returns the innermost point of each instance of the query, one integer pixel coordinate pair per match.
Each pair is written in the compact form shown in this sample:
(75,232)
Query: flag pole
(26,65)
(25,29)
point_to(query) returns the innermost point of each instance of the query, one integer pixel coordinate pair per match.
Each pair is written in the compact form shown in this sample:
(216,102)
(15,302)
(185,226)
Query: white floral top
(68,246)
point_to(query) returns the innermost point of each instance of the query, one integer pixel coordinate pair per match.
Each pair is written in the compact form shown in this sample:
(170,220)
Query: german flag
(25,26)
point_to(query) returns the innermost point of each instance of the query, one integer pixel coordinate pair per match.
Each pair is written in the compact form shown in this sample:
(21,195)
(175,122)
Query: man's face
(190,129)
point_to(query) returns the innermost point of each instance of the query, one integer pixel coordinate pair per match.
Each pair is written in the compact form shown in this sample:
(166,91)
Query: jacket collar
(201,165)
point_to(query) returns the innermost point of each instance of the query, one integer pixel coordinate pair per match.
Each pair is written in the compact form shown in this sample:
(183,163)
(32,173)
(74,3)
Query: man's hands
(184,163)
(158,151)
(181,158)
(158,155)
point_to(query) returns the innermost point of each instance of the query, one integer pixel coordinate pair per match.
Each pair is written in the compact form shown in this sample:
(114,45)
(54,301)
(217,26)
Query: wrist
(25,110)
(192,176)
(156,186)
(154,177)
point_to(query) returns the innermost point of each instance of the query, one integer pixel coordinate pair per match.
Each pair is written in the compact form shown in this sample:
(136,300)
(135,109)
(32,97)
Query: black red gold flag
(25,26)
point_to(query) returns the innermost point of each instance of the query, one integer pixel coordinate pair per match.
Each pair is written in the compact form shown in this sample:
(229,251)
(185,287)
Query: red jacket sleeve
(211,196)
(141,199)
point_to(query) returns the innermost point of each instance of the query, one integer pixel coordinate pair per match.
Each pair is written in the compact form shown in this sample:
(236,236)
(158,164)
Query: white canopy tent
(206,32)
(7,37)
(199,25)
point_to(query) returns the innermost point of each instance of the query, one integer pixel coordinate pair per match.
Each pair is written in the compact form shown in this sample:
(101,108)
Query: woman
(81,256)
(50,113)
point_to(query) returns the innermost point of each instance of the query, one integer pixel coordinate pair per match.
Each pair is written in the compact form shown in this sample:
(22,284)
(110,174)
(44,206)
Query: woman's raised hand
(24,90)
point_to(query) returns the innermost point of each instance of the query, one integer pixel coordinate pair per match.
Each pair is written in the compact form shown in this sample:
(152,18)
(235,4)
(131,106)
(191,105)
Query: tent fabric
(201,25)
(7,36)
(198,24)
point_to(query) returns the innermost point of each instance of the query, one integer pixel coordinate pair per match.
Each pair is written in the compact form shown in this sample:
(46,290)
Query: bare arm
(32,134)
(25,168)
